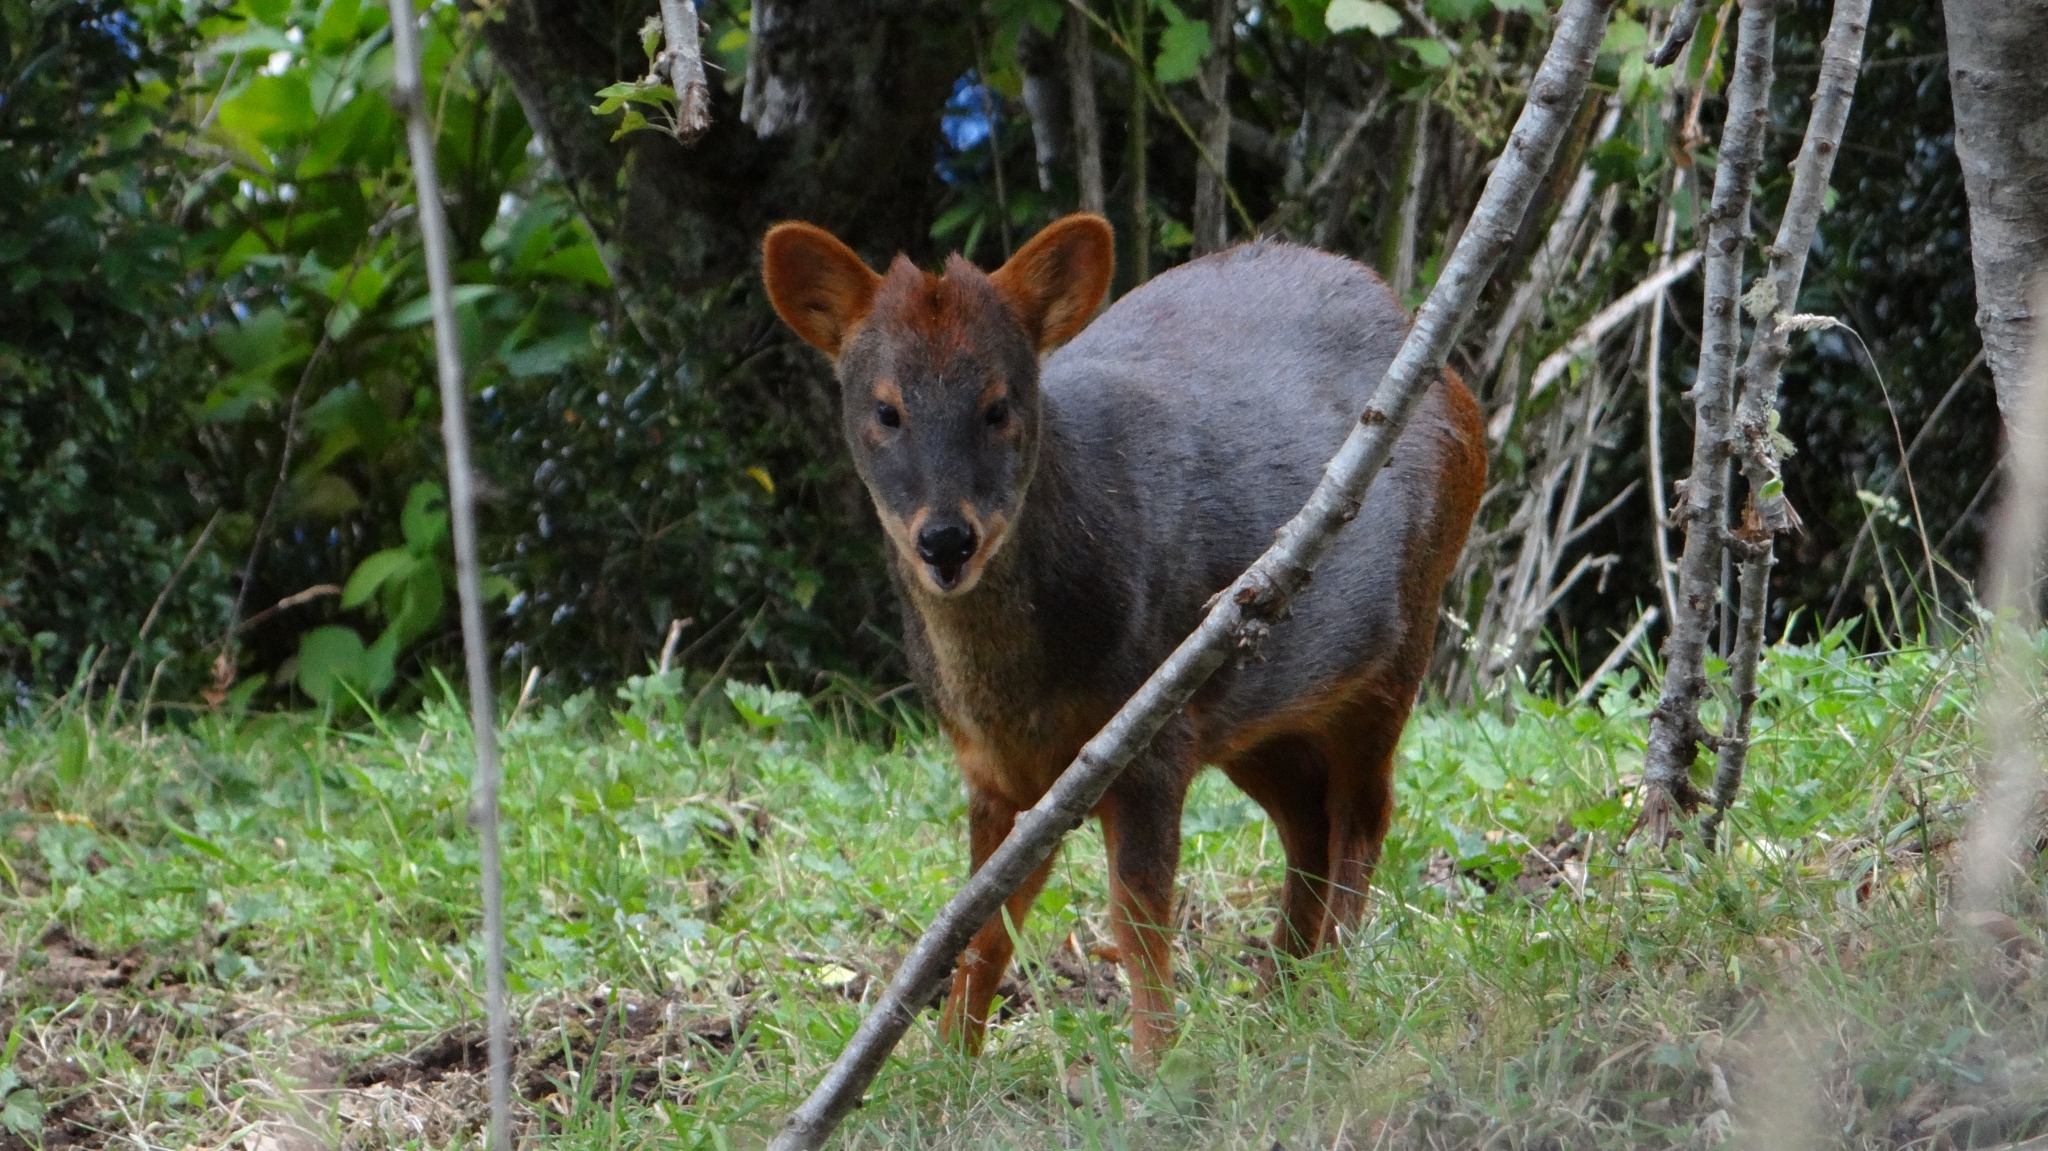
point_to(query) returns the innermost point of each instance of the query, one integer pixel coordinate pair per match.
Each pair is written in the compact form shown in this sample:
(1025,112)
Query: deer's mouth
(945,577)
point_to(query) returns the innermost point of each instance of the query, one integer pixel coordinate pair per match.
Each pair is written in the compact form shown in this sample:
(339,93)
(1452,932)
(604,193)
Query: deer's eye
(888,416)
(997,412)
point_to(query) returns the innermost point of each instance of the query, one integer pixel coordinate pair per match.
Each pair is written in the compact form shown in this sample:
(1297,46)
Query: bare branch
(1212,179)
(1653,406)
(1778,294)
(1550,260)
(1675,731)
(1758,438)
(1242,612)
(1589,336)
(483,814)
(683,54)
(149,620)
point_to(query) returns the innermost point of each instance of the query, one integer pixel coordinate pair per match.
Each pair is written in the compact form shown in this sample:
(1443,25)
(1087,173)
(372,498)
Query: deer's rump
(1201,410)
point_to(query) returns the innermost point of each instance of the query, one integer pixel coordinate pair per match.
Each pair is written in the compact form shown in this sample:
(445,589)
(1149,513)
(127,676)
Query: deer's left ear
(1055,282)
(819,287)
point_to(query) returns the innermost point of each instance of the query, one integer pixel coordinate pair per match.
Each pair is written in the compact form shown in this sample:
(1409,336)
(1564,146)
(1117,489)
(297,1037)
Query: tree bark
(2000,90)
(1087,117)
(1212,207)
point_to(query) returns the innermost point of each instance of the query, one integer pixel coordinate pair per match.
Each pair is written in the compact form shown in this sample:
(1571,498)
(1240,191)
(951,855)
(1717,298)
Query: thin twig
(1621,649)
(1080,63)
(1891,483)
(1341,151)
(149,620)
(1550,260)
(406,96)
(1241,613)
(1589,336)
(224,665)
(1675,730)
(1653,400)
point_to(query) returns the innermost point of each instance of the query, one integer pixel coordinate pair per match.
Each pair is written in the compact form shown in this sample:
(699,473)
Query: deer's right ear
(818,286)
(1055,282)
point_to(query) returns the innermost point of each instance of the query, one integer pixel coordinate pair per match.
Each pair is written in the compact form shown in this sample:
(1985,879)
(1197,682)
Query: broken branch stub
(1258,596)
(683,52)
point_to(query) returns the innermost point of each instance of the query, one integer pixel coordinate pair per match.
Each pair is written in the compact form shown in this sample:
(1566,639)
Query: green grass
(228,933)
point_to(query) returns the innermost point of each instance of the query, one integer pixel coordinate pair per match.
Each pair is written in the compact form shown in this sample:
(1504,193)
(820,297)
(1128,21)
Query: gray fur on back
(1193,418)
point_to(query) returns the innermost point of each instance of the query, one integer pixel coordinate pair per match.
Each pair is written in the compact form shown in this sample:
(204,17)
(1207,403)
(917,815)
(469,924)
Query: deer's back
(1194,418)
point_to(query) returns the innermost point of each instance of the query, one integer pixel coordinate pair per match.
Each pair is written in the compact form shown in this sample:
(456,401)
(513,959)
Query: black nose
(946,547)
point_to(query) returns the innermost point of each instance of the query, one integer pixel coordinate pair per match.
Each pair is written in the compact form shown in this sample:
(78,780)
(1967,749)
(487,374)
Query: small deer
(1058,523)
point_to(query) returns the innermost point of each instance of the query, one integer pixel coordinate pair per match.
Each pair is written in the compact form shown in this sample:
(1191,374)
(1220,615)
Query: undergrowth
(261,930)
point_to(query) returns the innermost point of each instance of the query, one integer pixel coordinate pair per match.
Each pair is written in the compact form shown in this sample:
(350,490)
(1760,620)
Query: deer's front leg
(981,966)
(1141,827)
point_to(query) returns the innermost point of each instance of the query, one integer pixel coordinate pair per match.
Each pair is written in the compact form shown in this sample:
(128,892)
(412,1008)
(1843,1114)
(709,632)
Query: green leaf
(372,573)
(1624,34)
(632,122)
(580,263)
(1432,53)
(421,597)
(1376,18)
(256,341)
(425,520)
(201,844)
(1485,773)
(419,311)
(953,219)
(328,658)
(271,112)
(23,1116)
(1454,10)
(1182,48)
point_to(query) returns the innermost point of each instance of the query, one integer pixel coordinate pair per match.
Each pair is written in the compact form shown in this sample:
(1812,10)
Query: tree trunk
(839,126)
(2001,99)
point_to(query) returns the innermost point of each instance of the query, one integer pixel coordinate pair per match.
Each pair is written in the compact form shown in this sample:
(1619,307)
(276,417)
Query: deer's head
(938,377)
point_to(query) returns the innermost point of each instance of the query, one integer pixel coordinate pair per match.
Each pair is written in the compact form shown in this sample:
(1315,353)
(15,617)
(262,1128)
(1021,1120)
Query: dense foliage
(215,329)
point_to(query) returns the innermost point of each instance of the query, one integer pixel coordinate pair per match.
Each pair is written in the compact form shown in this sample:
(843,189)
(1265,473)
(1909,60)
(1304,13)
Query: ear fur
(1055,282)
(819,287)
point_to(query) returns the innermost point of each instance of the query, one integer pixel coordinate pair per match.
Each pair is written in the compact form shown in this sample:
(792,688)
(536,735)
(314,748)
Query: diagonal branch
(1243,612)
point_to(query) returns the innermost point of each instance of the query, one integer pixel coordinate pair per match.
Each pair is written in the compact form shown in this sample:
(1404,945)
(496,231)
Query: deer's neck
(992,659)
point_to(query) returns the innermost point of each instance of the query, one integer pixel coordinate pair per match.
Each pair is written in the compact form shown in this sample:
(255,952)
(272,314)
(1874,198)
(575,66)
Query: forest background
(216,355)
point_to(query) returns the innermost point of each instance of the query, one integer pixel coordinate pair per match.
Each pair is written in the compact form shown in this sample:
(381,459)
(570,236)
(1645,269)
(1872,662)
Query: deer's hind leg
(1288,776)
(1358,743)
